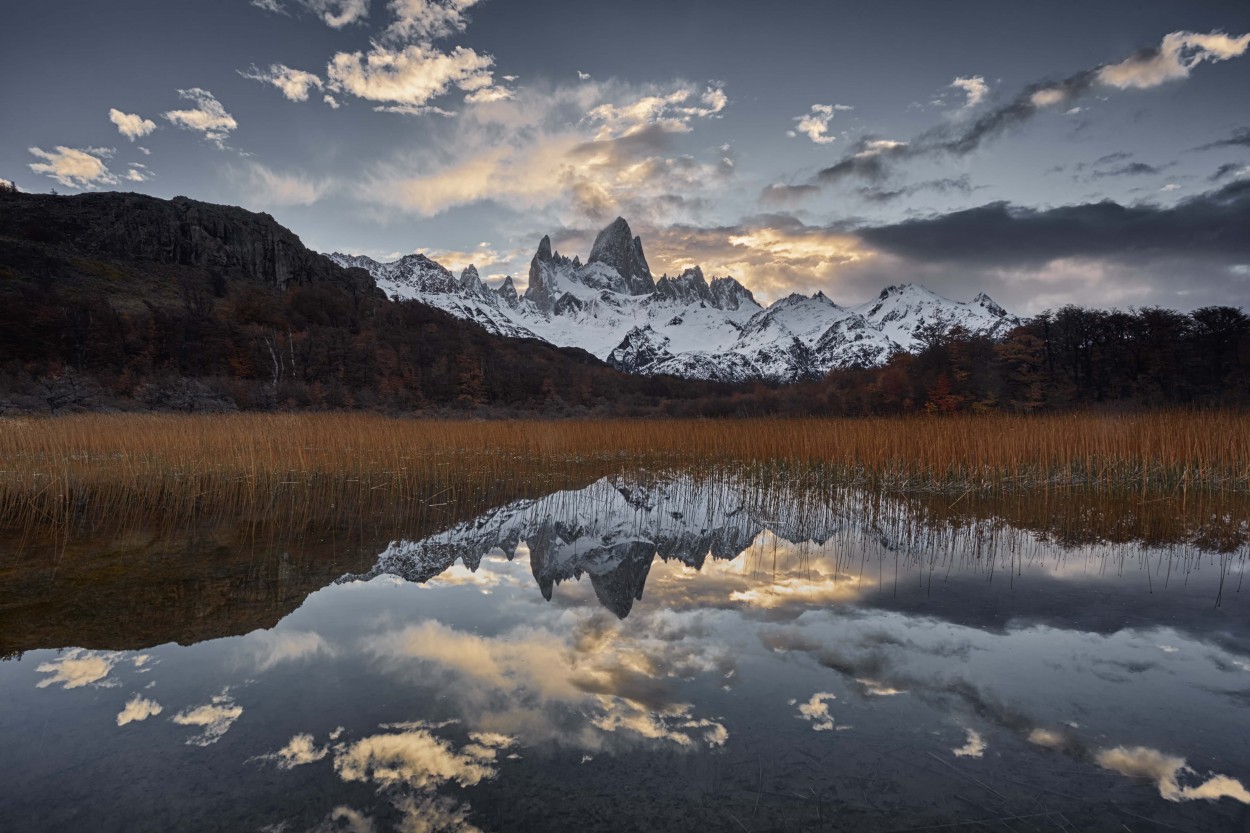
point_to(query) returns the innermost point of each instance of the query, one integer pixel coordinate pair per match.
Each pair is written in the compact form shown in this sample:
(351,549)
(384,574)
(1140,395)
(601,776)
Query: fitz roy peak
(685,326)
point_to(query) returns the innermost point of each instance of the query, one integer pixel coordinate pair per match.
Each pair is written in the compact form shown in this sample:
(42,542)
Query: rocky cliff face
(616,246)
(223,240)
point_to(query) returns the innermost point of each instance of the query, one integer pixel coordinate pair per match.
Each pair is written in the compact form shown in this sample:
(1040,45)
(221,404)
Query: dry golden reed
(97,466)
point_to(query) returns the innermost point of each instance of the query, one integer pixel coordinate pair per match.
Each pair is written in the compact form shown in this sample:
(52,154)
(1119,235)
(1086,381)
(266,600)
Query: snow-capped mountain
(611,531)
(613,307)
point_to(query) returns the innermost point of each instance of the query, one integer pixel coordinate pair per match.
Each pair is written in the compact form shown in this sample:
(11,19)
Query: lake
(654,651)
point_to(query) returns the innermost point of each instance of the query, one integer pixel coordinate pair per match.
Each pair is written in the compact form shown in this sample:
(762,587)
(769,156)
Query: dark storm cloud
(1213,225)
(1240,138)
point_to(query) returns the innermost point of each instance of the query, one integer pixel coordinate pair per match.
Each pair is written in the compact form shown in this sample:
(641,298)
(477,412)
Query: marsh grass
(94,469)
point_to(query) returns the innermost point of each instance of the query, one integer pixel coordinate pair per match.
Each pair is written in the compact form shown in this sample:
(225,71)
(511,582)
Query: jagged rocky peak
(470,280)
(616,246)
(989,305)
(728,294)
(687,288)
(539,290)
(507,290)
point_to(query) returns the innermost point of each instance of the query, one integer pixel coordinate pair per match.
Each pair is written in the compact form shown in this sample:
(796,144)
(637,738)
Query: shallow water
(642,654)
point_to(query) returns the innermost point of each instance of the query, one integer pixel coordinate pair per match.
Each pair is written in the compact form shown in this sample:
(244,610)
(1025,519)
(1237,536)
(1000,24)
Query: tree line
(238,346)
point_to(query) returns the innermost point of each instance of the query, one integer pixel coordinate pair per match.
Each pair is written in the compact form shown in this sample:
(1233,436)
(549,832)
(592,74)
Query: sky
(1045,153)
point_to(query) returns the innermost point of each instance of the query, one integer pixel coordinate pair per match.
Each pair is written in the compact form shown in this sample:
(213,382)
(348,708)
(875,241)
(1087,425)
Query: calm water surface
(643,654)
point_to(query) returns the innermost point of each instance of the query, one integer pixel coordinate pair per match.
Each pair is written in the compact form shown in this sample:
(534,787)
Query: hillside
(121,300)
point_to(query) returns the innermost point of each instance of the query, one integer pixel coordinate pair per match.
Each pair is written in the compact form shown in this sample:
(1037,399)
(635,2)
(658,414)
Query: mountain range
(612,307)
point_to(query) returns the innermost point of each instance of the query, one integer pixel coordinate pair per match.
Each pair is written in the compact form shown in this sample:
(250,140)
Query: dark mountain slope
(129,301)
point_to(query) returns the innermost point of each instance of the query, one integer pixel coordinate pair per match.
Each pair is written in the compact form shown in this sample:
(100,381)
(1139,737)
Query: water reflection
(667,653)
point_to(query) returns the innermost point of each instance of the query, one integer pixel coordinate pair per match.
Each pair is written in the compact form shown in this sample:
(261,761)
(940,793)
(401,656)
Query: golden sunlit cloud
(973,748)
(77,669)
(215,718)
(1165,771)
(136,709)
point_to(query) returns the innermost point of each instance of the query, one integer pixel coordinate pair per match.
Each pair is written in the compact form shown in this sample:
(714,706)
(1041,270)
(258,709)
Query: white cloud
(1049,96)
(214,718)
(299,751)
(77,668)
(332,101)
(416,758)
(815,124)
(671,110)
(274,6)
(583,76)
(1165,771)
(295,84)
(207,117)
(130,125)
(72,167)
(339,13)
(1174,59)
(138,173)
(428,19)
(138,708)
(974,87)
(144,151)
(973,748)
(412,76)
(816,710)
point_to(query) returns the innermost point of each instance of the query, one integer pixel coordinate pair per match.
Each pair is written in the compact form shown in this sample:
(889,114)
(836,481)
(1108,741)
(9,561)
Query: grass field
(94,467)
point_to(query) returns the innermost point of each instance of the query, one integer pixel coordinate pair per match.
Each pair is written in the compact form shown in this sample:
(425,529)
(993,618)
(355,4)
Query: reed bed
(95,467)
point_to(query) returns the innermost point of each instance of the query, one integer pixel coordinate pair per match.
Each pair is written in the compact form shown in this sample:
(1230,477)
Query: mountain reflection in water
(745,658)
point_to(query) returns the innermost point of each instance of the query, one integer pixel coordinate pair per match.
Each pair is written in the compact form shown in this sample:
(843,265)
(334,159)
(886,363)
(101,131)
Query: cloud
(77,668)
(428,19)
(672,111)
(1179,53)
(816,711)
(273,6)
(787,196)
(1165,771)
(1128,169)
(415,758)
(594,673)
(138,172)
(1234,169)
(876,193)
(1239,138)
(215,718)
(72,167)
(1173,59)
(973,748)
(301,750)
(268,187)
(411,76)
(338,13)
(815,123)
(590,151)
(138,708)
(1209,225)
(295,84)
(974,88)
(270,648)
(131,126)
(207,117)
